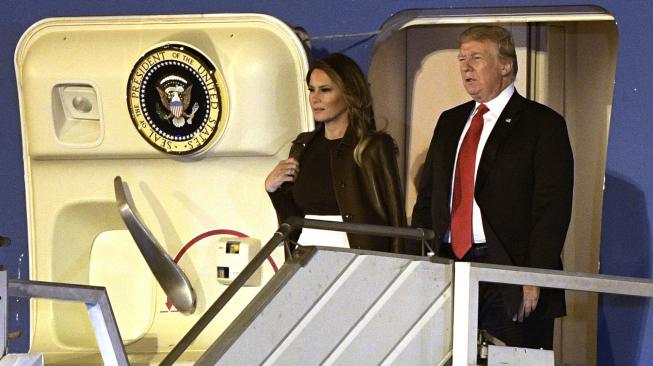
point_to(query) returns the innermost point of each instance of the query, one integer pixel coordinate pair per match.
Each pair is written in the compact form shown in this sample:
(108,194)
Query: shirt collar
(497,104)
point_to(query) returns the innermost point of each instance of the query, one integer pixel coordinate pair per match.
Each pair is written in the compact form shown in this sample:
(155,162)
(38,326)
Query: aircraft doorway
(567,60)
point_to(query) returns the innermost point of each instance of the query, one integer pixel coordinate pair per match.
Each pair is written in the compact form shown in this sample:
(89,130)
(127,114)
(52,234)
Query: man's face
(484,75)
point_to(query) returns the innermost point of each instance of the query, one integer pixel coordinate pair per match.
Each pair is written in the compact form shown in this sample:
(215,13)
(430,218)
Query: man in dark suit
(497,187)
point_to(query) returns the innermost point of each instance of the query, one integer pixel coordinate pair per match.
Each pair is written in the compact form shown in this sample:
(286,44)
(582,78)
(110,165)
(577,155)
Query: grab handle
(170,277)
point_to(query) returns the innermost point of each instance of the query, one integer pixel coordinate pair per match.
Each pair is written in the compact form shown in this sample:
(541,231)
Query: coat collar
(306,137)
(349,139)
(510,116)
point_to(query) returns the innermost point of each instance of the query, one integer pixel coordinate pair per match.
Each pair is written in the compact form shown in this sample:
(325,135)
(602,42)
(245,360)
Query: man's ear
(506,67)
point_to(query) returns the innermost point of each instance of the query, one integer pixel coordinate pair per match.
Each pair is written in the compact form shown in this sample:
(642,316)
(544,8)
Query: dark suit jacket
(524,186)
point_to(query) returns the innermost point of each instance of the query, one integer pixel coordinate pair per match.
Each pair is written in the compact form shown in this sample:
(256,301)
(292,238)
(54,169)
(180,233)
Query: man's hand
(530,297)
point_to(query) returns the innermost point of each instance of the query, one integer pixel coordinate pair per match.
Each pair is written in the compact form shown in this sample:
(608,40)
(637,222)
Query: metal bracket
(3,312)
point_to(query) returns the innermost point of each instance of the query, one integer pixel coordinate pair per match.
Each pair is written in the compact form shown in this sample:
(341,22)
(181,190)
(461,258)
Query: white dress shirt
(495,107)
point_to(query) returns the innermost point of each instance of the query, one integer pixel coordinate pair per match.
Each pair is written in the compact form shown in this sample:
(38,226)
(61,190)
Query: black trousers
(492,314)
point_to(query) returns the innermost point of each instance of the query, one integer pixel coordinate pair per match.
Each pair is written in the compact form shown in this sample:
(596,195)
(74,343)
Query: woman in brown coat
(344,170)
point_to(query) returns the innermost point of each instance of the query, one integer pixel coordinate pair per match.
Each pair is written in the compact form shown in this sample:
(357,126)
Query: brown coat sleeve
(282,199)
(379,164)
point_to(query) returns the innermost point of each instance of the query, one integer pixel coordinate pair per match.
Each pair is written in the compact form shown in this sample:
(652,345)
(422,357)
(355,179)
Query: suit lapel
(456,131)
(505,123)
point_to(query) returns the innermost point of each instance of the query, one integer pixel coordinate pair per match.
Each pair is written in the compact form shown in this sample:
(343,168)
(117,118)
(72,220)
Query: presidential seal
(177,100)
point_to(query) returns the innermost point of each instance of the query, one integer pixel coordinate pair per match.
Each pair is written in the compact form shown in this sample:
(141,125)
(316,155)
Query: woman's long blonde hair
(350,79)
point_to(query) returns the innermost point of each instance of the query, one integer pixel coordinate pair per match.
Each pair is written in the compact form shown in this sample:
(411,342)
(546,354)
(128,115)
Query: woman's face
(326,98)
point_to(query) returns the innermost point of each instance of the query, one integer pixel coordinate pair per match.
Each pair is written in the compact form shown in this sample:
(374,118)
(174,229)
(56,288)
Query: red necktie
(463,189)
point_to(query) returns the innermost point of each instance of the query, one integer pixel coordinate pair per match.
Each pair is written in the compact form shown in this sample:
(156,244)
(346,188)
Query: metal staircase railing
(278,238)
(468,276)
(97,304)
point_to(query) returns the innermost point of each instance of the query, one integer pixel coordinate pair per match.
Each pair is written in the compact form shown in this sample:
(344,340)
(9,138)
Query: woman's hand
(285,171)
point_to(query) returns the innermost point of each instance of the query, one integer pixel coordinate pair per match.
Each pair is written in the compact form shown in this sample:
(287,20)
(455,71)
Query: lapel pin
(508,120)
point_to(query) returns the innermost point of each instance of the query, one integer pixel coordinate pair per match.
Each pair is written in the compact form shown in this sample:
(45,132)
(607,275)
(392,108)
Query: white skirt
(326,238)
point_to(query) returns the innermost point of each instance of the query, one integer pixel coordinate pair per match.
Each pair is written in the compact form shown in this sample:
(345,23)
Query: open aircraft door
(192,111)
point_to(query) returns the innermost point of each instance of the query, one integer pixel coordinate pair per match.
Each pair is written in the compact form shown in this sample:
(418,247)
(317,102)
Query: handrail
(282,232)
(292,223)
(98,307)
(170,277)
(377,230)
(466,300)
(420,234)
